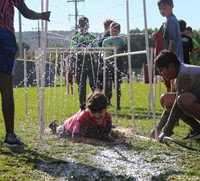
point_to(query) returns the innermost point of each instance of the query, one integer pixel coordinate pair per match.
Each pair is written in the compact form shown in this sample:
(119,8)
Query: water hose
(167,139)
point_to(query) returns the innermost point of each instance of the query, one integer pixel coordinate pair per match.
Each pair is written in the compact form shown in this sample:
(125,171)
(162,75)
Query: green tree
(138,43)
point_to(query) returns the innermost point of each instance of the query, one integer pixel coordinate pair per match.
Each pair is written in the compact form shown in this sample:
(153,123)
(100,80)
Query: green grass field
(41,154)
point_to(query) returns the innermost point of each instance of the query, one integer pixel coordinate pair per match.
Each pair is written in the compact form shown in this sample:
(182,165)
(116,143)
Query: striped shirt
(7,13)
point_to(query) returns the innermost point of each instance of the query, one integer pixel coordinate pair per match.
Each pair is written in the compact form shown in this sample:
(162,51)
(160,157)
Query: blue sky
(98,10)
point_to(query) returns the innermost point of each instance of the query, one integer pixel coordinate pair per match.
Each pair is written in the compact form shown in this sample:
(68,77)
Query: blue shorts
(8,51)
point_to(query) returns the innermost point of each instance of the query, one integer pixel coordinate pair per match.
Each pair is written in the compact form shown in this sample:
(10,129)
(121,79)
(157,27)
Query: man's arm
(30,14)
(172,120)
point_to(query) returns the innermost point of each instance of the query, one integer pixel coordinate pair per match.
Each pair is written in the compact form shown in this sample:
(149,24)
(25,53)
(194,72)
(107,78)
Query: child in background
(115,41)
(102,37)
(106,32)
(188,49)
(169,33)
(92,125)
(196,45)
(86,63)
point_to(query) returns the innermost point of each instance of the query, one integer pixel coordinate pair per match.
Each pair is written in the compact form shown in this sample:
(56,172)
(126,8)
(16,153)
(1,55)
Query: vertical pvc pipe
(115,79)
(37,65)
(55,82)
(129,64)
(25,85)
(42,126)
(148,61)
(104,75)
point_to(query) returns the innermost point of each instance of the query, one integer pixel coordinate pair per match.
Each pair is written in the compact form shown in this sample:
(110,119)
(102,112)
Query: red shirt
(7,13)
(82,124)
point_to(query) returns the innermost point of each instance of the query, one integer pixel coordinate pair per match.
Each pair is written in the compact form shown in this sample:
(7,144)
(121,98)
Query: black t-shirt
(187,47)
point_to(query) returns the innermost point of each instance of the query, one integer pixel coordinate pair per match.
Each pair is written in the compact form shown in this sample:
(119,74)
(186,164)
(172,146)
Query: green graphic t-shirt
(82,41)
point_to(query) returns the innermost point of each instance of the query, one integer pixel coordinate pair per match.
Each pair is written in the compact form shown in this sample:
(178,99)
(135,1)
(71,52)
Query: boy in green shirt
(86,63)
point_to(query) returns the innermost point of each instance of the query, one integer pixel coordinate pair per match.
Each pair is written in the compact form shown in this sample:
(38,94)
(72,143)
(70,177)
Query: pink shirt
(81,123)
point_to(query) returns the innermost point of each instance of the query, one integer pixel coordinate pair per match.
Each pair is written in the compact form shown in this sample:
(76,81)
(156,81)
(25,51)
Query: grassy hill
(55,38)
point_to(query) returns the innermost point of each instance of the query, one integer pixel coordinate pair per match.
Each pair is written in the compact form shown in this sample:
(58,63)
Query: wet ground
(119,162)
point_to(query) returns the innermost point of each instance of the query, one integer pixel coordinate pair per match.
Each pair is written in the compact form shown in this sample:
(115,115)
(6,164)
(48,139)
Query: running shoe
(13,141)
(53,127)
(192,134)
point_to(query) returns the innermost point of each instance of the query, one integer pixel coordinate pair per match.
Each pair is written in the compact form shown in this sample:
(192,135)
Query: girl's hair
(115,25)
(165,57)
(96,101)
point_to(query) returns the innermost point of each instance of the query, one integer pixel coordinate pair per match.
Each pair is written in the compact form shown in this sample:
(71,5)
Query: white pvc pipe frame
(42,68)
(97,50)
(41,117)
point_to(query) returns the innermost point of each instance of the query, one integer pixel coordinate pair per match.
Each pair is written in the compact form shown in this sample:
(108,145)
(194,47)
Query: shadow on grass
(61,169)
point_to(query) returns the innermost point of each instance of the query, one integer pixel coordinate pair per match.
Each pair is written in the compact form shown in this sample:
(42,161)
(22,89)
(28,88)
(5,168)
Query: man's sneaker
(192,134)
(53,127)
(13,141)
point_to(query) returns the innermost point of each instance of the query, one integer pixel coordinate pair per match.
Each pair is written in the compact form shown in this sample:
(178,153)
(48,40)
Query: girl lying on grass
(92,125)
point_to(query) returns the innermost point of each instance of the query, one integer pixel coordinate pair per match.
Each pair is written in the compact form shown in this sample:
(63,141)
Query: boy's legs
(118,95)
(119,81)
(81,77)
(7,102)
(92,74)
(108,82)
(108,91)
(6,89)
(82,90)
(100,74)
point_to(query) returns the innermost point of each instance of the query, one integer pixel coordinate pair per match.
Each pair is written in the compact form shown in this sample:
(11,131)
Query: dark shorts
(8,51)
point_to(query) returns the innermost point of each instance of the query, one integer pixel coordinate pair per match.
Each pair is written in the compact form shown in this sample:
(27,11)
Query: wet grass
(52,158)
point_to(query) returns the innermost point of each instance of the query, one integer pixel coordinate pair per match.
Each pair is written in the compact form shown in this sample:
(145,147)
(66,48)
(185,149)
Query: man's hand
(45,15)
